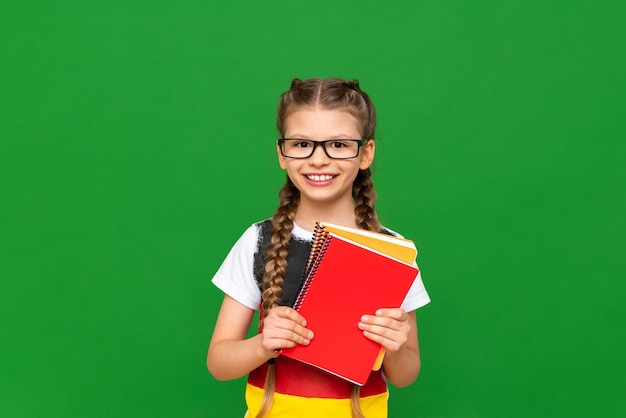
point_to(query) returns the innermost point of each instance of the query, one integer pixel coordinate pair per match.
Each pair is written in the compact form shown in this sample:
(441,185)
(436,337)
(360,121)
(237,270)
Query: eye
(301,143)
(339,144)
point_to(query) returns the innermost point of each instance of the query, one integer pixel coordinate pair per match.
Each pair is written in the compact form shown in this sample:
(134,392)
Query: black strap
(296,262)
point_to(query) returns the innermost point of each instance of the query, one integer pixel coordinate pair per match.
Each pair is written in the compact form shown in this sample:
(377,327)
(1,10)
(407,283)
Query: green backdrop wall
(137,143)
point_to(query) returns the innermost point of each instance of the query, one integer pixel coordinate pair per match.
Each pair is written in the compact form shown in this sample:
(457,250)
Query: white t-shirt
(235,276)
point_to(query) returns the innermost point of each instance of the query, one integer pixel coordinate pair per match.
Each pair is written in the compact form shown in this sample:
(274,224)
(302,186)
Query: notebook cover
(396,247)
(346,282)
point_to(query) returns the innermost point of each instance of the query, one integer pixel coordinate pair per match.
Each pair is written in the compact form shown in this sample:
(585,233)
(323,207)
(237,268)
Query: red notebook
(347,280)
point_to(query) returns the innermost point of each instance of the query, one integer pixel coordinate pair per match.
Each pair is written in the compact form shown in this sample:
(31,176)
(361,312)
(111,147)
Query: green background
(136,145)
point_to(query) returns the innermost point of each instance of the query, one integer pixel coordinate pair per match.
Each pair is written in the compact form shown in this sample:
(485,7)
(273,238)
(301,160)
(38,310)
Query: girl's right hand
(284,327)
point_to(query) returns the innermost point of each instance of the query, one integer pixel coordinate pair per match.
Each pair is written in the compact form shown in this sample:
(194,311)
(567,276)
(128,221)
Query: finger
(299,335)
(286,329)
(289,313)
(391,342)
(294,327)
(398,314)
(392,338)
(381,330)
(381,321)
(385,327)
(284,339)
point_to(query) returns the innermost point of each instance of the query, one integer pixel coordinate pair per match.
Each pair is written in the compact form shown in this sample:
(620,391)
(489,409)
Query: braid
(364,198)
(355,404)
(277,249)
(275,269)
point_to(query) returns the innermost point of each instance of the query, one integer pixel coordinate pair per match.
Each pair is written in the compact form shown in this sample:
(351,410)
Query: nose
(319,156)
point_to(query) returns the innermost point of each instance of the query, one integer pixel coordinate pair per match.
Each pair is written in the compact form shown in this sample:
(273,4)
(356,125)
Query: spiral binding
(319,236)
(313,271)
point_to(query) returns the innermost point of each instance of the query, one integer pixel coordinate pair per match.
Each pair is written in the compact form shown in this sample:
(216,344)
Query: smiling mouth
(323,177)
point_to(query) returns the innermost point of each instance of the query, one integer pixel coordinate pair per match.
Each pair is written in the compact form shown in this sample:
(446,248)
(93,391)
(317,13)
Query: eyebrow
(340,136)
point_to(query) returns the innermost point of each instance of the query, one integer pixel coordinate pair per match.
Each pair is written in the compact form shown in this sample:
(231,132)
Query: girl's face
(320,178)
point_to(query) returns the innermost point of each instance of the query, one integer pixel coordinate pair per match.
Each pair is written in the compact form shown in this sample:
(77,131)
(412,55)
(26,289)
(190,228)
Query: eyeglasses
(339,149)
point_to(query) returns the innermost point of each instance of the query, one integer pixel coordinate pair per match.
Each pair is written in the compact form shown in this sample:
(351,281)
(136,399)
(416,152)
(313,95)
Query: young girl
(326,147)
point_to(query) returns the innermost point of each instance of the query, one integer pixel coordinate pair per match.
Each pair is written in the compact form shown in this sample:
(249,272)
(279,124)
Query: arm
(231,355)
(396,331)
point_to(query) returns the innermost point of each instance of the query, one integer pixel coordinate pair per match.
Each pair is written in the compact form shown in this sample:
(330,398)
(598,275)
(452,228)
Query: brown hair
(330,93)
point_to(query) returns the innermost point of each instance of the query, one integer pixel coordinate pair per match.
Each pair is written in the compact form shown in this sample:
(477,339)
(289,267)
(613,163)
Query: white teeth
(316,177)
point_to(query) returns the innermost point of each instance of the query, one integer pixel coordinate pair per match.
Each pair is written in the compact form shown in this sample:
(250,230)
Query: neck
(340,213)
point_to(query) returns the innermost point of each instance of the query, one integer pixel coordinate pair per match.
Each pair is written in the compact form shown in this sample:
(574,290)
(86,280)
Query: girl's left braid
(364,199)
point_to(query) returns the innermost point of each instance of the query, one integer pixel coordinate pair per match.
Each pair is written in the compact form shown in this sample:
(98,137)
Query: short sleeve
(417,296)
(235,277)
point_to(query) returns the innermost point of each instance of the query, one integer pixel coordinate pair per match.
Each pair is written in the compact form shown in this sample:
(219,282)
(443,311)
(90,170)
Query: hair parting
(329,93)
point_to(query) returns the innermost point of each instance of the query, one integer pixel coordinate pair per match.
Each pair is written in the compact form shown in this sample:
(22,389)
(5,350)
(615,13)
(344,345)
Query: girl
(326,147)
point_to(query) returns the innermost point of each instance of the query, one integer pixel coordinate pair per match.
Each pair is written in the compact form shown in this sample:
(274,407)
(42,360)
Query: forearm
(232,355)
(403,367)
(396,331)
(231,359)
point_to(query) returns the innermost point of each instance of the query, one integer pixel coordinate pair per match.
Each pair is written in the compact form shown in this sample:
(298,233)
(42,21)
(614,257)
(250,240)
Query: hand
(284,327)
(389,327)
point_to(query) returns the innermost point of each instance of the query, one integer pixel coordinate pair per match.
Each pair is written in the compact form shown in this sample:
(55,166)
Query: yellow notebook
(399,248)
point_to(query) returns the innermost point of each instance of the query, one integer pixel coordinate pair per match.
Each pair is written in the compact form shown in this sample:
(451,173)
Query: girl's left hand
(389,328)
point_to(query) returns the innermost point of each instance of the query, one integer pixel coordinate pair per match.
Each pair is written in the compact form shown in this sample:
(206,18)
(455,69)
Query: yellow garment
(288,406)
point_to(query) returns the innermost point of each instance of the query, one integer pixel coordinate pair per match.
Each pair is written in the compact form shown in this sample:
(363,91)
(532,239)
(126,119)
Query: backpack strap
(296,262)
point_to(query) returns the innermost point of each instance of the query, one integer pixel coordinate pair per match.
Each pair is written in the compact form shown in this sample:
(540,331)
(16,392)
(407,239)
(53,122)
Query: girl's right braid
(275,269)
(277,249)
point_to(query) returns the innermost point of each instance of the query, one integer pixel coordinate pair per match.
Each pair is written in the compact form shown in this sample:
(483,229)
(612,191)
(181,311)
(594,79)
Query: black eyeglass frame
(360,143)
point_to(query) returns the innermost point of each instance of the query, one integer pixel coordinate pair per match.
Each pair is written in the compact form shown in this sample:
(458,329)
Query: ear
(367,154)
(282,161)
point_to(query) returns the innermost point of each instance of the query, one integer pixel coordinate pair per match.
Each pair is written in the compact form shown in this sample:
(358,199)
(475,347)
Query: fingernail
(364,318)
(306,341)
(379,312)
(310,335)
(304,322)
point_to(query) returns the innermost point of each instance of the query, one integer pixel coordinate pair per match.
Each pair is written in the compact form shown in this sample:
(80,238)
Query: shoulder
(298,234)
(264,224)
(248,242)
(263,230)
(254,232)
(390,231)
(236,276)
